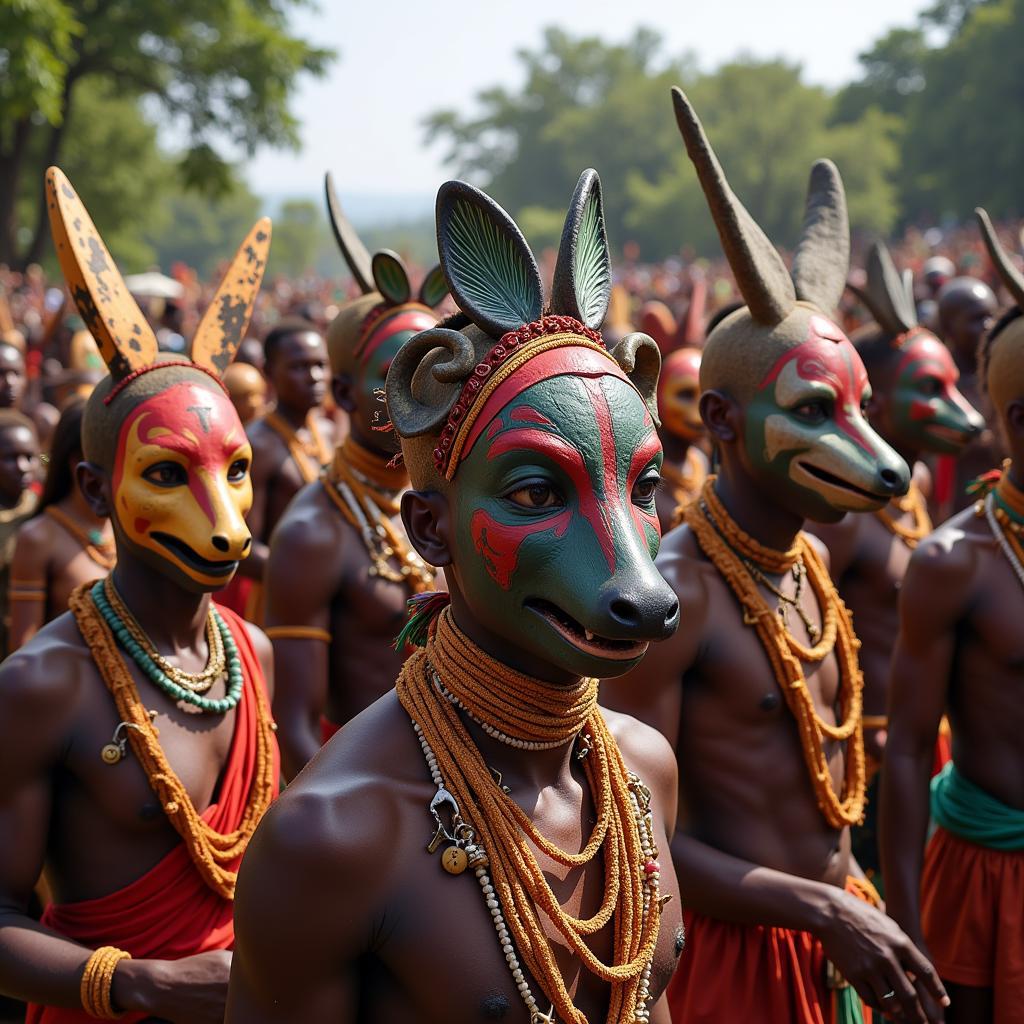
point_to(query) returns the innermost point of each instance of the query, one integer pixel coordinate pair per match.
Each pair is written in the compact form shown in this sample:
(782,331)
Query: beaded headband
(512,350)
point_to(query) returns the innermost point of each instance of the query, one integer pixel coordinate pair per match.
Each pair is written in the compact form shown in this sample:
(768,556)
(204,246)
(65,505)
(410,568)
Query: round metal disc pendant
(111,753)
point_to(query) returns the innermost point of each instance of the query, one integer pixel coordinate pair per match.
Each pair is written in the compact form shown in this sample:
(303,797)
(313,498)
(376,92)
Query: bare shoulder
(953,550)
(264,439)
(643,748)
(336,824)
(36,532)
(311,528)
(821,546)
(682,562)
(264,650)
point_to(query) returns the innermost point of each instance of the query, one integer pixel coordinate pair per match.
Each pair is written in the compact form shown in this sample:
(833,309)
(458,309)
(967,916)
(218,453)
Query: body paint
(806,430)
(189,514)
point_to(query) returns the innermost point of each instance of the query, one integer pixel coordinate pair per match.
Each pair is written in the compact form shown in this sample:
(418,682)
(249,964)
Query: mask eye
(812,412)
(237,470)
(645,489)
(167,474)
(535,495)
(930,386)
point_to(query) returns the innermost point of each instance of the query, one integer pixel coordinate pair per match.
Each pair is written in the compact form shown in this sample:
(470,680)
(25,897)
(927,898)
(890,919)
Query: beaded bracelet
(97,980)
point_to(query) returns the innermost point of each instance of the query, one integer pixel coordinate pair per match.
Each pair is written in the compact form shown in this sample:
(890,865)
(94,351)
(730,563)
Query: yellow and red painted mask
(679,394)
(181,486)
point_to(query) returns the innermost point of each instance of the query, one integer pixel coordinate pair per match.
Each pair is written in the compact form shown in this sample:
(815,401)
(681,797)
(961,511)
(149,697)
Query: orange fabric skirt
(972,914)
(736,972)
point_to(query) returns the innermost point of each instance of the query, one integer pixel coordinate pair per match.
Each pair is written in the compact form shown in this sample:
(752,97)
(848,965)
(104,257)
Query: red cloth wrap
(327,729)
(738,972)
(170,912)
(972,916)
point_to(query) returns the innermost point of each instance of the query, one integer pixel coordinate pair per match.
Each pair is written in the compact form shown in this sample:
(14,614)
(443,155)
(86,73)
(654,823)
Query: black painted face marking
(203,414)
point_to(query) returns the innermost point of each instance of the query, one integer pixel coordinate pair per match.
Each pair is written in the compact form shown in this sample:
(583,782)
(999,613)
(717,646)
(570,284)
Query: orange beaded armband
(97,980)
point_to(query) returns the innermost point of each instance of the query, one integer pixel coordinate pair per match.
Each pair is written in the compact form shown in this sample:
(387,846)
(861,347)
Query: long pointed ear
(391,277)
(352,249)
(640,359)
(6,320)
(691,330)
(583,271)
(822,259)
(760,274)
(125,339)
(490,269)
(885,293)
(1010,275)
(224,323)
(434,287)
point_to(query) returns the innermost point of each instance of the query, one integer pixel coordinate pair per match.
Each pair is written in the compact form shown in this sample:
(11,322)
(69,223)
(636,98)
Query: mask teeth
(590,636)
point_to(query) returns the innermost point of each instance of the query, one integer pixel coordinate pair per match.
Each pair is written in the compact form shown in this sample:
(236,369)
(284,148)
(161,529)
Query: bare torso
(420,945)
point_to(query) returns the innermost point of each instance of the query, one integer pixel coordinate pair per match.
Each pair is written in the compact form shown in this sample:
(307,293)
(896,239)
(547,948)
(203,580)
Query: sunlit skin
(19,459)
(247,390)
(806,431)
(318,574)
(553,502)
(679,395)
(181,485)
(12,377)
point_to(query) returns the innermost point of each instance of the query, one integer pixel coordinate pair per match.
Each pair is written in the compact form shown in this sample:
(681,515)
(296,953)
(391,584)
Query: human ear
(94,484)
(720,415)
(426,520)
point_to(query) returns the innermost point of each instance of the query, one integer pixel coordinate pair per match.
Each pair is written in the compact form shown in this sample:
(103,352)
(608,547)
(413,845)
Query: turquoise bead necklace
(142,658)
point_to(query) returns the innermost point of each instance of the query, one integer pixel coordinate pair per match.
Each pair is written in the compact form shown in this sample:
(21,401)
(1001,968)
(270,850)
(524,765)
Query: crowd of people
(306,593)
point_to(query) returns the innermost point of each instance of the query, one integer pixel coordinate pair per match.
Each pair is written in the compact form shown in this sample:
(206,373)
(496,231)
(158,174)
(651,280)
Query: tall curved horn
(113,318)
(582,283)
(1012,277)
(760,274)
(224,323)
(822,259)
(422,387)
(352,249)
(885,293)
(691,331)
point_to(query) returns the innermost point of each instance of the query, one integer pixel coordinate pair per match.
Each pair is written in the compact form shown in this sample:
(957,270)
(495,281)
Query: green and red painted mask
(926,411)
(807,436)
(554,510)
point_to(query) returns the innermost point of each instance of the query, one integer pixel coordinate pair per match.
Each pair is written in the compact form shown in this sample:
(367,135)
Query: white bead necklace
(1000,536)
(463,833)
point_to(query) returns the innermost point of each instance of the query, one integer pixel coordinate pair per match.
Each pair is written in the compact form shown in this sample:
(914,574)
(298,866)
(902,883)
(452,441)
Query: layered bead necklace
(489,833)
(913,501)
(1004,510)
(364,488)
(178,684)
(733,552)
(309,456)
(99,548)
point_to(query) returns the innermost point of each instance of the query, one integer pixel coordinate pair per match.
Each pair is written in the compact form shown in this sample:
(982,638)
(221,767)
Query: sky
(400,60)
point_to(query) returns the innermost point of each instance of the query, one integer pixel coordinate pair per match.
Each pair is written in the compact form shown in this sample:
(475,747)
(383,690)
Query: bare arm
(302,578)
(262,473)
(305,908)
(932,602)
(29,566)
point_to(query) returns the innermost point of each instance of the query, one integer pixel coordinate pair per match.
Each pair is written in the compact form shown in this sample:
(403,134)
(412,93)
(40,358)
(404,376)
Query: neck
(675,448)
(295,416)
(522,770)
(76,504)
(172,617)
(769,524)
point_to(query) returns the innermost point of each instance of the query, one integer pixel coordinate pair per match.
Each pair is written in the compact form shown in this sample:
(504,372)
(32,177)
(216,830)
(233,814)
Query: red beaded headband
(135,374)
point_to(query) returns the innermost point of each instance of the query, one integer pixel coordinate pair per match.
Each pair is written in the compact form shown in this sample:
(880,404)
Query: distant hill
(367,211)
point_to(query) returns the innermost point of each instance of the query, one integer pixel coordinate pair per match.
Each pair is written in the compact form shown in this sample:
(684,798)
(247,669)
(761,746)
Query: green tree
(300,229)
(221,73)
(962,147)
(585,103)
(893,72)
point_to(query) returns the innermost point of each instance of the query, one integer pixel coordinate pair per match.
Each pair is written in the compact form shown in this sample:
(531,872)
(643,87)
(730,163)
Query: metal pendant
(454,860)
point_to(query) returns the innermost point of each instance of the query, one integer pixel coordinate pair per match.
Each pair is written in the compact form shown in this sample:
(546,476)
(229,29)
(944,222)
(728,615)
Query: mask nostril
(220,543)
(624,611)
(672,611)
(247,545)
(889,477)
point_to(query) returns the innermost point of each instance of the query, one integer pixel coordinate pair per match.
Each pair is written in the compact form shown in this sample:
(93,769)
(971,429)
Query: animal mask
(543,440)
(1004,354)
(367,333)
(799,383)
(924,409)
(164,430)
